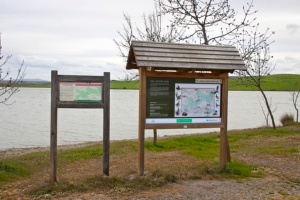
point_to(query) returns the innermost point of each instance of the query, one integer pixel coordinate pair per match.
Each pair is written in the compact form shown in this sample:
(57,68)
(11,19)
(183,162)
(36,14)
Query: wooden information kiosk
(183,86)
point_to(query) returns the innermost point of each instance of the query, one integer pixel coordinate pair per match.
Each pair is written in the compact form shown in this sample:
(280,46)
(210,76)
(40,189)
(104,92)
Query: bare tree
(208,22)
(295,95)
(215,22)
(153,29)
(254,47)
(9,85)
(267,114)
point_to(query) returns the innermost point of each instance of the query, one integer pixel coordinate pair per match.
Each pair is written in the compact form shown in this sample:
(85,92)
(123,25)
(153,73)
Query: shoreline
(11,152)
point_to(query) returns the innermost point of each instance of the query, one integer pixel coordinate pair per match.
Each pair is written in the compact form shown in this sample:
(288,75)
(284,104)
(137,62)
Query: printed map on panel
(87,93)
(80,92)
(193,100)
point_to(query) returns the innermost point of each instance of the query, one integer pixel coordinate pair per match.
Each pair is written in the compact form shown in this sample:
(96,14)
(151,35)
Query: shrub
(287,119)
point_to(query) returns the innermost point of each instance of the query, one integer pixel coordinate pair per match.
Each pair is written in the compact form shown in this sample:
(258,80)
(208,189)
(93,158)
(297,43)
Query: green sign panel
(80,92)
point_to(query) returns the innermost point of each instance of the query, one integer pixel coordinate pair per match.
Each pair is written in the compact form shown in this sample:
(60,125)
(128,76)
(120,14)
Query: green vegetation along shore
(276,82)
(258,155)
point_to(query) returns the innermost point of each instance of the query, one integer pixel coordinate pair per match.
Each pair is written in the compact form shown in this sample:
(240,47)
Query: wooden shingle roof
(173,56)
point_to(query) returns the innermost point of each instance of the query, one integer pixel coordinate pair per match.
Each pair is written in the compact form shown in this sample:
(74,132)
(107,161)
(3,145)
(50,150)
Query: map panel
(197,100)
(80,92)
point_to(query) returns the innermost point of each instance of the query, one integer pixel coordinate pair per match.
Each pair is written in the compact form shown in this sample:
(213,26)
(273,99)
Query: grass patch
(124,84)
(241,170)
(73,155)
(11,170)
(204,147)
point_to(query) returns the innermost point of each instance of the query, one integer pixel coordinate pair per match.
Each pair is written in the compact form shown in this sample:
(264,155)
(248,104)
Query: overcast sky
(76,37)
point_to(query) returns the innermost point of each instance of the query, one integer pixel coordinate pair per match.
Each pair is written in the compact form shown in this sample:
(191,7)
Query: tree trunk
(268,107)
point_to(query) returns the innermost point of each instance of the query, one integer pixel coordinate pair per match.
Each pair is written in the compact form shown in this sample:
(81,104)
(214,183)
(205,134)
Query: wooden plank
(198,66)
(185,51)
(184,74)
(188,60)
(188,55)
(75,78)
(53,127)
(106,122)
(182,46)
(79,105)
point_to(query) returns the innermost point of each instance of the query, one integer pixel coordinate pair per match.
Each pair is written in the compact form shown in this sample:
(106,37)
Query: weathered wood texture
(56,103)
(106,122)
(171,56)
(142,118)
(53,127)
(223,130)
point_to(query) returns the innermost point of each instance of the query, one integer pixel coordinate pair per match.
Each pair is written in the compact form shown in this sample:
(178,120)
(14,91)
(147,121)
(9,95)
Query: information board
(183,100)
(80,92)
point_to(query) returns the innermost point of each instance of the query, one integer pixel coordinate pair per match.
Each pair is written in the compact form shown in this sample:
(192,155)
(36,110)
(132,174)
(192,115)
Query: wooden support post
(53,127)
(106,122)
(223,131)
(154,136)
(142,118)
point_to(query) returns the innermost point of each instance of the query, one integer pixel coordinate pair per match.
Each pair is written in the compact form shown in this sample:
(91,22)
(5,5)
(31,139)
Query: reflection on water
(27,122)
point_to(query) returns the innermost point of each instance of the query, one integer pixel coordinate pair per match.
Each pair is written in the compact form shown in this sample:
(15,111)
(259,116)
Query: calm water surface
(26,123)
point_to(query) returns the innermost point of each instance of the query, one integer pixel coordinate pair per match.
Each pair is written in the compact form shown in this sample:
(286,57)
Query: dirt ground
(281,180)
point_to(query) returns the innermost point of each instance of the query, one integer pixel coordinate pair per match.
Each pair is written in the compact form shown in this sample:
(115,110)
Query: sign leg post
(53,127)
(223,131)
(106,122)
(142,118)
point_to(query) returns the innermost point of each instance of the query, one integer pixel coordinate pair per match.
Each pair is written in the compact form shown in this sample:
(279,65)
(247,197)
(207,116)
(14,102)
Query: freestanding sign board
(183,100)
(183,86)
(69,91)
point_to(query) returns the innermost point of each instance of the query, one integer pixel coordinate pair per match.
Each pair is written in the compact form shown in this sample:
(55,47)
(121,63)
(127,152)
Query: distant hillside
(35,81)
(276,82)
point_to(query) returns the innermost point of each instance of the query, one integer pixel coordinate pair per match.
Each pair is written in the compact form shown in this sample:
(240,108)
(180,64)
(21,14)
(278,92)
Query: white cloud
(293,28)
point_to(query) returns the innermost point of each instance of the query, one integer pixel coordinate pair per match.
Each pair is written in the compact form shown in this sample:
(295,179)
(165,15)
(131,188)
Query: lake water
(26,123)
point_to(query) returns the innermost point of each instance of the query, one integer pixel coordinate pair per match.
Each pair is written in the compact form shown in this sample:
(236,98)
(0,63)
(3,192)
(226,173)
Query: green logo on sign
(186,120)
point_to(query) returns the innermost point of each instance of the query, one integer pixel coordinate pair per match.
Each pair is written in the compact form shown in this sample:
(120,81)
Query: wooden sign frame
(56,103)
(144,74)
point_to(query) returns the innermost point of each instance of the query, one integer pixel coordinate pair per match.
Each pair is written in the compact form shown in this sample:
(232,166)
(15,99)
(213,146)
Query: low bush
(287,119)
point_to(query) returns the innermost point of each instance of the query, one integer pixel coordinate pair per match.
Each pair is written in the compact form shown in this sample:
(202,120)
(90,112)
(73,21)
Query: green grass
(236,169)
(276,82)
(35,85)
(124,84)
(199,147)
(12,169)
(204,147)
(66,157)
